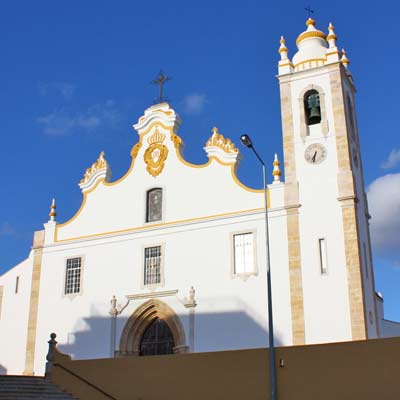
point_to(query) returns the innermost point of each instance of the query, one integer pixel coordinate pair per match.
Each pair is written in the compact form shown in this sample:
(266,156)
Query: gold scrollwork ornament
(155,157)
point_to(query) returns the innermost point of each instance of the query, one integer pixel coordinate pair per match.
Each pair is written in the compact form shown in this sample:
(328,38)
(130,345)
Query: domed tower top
(312,47)
(315,49)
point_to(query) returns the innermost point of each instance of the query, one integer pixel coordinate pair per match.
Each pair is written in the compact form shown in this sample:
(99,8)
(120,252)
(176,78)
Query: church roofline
(163,116)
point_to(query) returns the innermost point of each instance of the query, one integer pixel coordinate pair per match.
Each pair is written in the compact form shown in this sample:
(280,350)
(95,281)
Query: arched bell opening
(153,328)
(312,107)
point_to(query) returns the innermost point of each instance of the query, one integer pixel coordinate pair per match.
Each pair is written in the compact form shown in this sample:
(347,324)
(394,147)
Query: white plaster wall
(190,192)
(326,305)
(14,317)
(231,312)
(203,207)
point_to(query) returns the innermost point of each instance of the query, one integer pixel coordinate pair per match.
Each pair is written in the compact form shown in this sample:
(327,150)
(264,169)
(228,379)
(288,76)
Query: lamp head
(246,141)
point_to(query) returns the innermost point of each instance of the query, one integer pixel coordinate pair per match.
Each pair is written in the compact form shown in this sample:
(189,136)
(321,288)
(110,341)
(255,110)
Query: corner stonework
(38,242)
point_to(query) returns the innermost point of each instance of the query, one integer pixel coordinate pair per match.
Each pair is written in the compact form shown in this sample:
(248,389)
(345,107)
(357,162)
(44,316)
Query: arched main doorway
(157,339)
(153,328)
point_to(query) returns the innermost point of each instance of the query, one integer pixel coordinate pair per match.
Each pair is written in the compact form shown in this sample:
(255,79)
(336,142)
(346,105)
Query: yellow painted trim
(189,164)
(180,158)
(154,123)
(164,224)
(310,21)
(310,61)
(123,177)
(285,65)
(242,185)
(81,206)
(310,34)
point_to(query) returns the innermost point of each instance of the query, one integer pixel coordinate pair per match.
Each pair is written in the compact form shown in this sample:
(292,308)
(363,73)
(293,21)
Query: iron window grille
(73,275)
(152,265)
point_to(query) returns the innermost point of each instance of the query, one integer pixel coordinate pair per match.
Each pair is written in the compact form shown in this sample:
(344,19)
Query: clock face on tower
(315,153)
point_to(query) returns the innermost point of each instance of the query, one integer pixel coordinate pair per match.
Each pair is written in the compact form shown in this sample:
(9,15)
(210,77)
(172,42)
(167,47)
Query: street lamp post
(246,141)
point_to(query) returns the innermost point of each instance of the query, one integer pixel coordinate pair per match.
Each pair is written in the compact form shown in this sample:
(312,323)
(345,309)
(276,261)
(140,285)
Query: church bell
(315,113)
(314,110)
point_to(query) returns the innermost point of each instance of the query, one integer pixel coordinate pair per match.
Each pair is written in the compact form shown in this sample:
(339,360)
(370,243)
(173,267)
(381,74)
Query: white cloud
(392,160)
(65,89)
(61,122)
(57,123)
(6,229)
(384,207)
(194,103)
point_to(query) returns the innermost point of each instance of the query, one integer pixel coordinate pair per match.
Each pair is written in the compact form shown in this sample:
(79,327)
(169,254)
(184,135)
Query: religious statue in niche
(154,205)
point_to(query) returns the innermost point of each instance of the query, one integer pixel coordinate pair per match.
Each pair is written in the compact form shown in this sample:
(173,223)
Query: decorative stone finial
(345,61)
(52,345)
(283,50)
(284,66)
(332,52)
(276,173)
(331,38)
(310,21)
(53,213)
(50,354)
(220,141)
(98,170)
(221,148)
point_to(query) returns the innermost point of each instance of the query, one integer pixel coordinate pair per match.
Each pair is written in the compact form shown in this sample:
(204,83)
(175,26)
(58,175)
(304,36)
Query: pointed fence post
(50,354)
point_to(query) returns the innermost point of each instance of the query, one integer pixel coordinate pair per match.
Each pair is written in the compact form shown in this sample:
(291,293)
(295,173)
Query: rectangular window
(243,245)
(16,284)
(322,256)
(73,275)
(152,265)
(365,259)
(154,205)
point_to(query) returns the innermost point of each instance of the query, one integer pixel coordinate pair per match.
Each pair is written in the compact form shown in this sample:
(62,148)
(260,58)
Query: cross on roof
(308,9)
(160,81)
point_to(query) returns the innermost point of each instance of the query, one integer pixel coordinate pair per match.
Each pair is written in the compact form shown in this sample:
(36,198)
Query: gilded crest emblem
(156,154)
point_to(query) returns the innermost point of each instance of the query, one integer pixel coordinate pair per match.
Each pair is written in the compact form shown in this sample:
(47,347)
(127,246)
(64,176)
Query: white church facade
(149,264)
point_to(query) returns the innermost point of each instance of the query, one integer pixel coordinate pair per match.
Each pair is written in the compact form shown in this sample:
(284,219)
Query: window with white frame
(154,205)
(243,246)
(152,265)
(73,275)
(322,256)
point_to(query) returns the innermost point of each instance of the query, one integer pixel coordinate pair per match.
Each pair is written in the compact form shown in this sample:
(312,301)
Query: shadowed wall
(352,370)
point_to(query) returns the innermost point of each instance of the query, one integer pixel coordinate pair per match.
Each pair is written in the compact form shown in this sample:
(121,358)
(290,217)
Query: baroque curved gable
(191,191)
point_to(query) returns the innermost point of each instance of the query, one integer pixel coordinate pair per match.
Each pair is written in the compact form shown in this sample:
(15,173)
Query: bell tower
(330,261)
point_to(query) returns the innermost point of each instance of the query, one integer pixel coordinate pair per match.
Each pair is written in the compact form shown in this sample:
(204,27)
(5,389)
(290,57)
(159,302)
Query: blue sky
(75,77)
